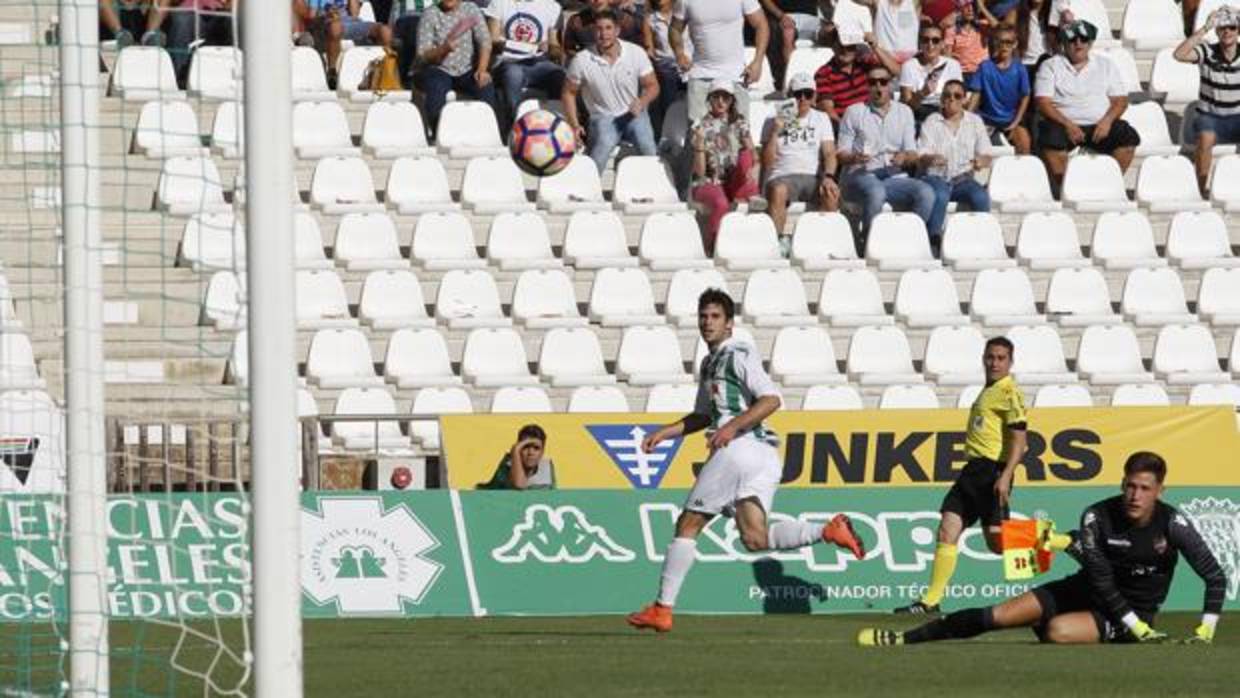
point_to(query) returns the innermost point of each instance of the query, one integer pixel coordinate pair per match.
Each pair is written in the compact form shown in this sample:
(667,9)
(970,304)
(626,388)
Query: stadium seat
(190,184)
(1038,355)
(675,127)
(672,241)
(212,241)
(974,241)
(216,72)
(309,80)
(517,399)
(224,304)
(1150,121)
(643,186)
(469,298)
(1152,24)
(1096,13)
(748,241)
(1049,240)
(1110,355)
(368,241)
(824,240)
(494,185)
(1070,395)
(1198,240)
(308,243)
(775,298)
(1080,297)
(544,298)
(444,241)
(1218,297)
(1225,183)
(1124,241)
(470,130)
(954,356)
(596,239)
(308,407)
(367,435)
(899,241)
(740,333)
(340,358)
(419,185)
(760,111)
(572,356)
(321,129)
(575,188)
(418,358)
(621,298)
(343,185)
(143,74)
(832,397)
(494,357)
(530,104)
(968,395)
(392,299)
(168,128)
(597,398)
(1233,356)
(1155,297)
(1019,184)
(1140,395)
(1094,183)
(519,241)
(908,397)
(852,298)
(928,298)
(353,65)
(1186,354)
(1168,184)
(394,130)
(1004,297)
(436,401)
(1126,64)
(649,356)
(321,300)
(1215,394)
(676,398)
(683,290)
(804,356)
(237,370)
(8,313)
(1179,83)
(227,132)
(881,356)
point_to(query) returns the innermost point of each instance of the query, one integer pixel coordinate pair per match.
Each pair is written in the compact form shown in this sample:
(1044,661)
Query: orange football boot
(655,617)
(839,530)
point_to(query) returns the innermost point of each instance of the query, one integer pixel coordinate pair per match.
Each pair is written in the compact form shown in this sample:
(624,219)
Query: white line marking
(463,538)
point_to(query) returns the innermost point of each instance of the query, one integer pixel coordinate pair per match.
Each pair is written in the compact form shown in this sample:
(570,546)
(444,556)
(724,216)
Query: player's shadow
(783,593)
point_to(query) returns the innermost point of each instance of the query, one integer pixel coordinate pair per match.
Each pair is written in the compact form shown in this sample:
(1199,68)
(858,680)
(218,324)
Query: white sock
(679,559)
(787,535)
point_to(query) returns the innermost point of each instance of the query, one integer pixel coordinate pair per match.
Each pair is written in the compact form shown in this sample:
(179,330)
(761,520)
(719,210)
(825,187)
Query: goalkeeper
(1130,545)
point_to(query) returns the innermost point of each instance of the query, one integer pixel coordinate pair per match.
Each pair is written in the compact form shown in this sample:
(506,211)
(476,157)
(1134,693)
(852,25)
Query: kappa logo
(559,534)
(623,445)
(365,559)
(1218,522)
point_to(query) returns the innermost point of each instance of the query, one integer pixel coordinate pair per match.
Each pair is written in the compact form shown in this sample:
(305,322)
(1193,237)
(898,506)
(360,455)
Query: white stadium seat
(1140,395)
(1004,297)
(227,133)
(672,241)
(804,356)
(418,358)
(495,356)
(1126,64)
(340,358)
(1198,240)
(681,304)
(739,333)
(365,435)
(1096,13)
(394,130)
(824,240)
(1233,356)
(343,185)
(353,65)
(445,241)
(309,80)
(1094,183)
(167,128)
(436,401)
(748,241)
(469,130)
(308,243)
(597,398)
(1155,297)
(975,241)
(469,298)
(832,397)
(968,395)
(677,398)
(649,356)
(519,241)
(418,185)
(596,239)
(1150,121)
(1215,394)
(852,298)
(881,356)
(544,298)
(572,356)
(928,298)
(1049,240)
(954,356)
(760,111)
(216,72)
(392,299)
(899,241)
(1186,354)
(321,300)
(237,370)
(494,185)
(1038,355)
(775,298)
(212,241)
(1056,395)
(517,399)
(1179,82)
(143,74)
(1225,183)
(368,241)
(1218,297)
(1152,24)
(643,186)
(1110,355)
(1080,297)
(1019,184)
(575,188)
(621,298)
(807,59)
(321,129)
(190,184)
(1124,241)
(908,397)
(308,407)
(224,304)
(1168,183)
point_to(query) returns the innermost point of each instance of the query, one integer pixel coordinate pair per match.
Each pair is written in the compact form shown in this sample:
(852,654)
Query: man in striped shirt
(1218,110)
(739,480)
(841,82)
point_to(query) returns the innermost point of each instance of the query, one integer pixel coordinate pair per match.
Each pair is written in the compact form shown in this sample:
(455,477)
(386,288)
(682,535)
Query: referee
(995,441)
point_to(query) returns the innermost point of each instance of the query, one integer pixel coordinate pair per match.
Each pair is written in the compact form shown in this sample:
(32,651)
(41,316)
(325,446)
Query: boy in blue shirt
(1000,90)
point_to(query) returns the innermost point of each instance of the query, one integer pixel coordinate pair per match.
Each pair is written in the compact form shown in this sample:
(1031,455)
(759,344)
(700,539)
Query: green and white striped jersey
(730,380)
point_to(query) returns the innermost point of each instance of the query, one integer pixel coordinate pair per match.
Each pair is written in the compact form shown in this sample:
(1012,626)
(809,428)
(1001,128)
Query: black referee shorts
(973,495)
(1073,594)
(1055,137)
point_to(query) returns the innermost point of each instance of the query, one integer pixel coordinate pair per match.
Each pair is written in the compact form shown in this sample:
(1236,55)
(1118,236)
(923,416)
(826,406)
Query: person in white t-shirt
(922,79)
(798,155)
(895,26)
(717,30)
(525,34)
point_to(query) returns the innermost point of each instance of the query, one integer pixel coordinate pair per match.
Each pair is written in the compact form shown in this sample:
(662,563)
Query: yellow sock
(940,574)
(1058,541)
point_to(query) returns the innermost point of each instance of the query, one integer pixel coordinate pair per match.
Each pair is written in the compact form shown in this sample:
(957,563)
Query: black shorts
(1055,137)
(973,495)
(1073,594)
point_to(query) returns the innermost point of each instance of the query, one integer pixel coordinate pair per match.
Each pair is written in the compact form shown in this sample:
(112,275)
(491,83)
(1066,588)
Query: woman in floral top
(724,169)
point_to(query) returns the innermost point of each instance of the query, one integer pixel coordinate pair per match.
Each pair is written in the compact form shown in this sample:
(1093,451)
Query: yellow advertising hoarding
(860,448)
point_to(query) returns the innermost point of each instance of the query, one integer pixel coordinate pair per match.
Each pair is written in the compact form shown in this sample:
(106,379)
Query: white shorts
(743,469)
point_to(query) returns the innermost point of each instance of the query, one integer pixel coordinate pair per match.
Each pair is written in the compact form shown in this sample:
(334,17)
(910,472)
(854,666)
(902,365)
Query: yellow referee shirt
(998,406)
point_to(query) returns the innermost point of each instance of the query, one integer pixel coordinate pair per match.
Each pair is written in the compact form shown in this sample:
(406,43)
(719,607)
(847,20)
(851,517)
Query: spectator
(1218,108)
(579,32)
(798,155)
(724,169)
(405,31)
(954,146)
(922,79)
(525,466)
(895,26)
(122,20)
(1081,100)
(1000,91)
(671,78)
(963,40)
(526,32)
(188,21)
(1189,9)
(1033,37)
(332,21)
(940,13)
(617,82)
(716,29)
(996,12)
(877,145)
(841,82)
(454,48)
(789,21)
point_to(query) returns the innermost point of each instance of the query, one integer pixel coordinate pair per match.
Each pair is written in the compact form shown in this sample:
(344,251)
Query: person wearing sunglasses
(999,91)
(922,79)
(724,165)
(963,39)
(954,146)
(798,155)
(841,82)
(1218,109)
(1081,100)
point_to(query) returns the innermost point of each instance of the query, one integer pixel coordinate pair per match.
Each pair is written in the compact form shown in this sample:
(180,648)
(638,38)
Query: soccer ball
(542,143)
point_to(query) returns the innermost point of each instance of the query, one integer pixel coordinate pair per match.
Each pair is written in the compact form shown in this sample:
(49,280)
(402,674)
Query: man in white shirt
(525,33)
(922,79)
(954,145)
(798,155)
(617,82)
(717,30)
(1081,100)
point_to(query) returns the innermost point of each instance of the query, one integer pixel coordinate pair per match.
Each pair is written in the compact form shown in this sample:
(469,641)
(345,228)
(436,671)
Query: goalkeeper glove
(1144,633)
(1203,635)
